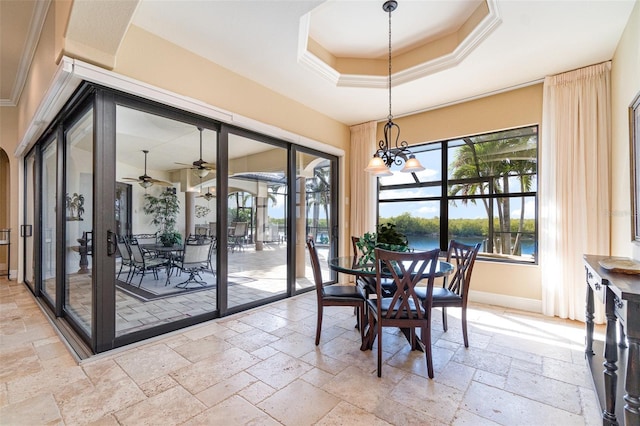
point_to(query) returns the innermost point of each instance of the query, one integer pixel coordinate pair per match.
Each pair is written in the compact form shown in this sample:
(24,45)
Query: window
(476,189)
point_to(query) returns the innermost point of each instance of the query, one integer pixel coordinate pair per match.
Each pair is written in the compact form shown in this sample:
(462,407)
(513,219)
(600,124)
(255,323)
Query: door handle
(111,243)
(25,230)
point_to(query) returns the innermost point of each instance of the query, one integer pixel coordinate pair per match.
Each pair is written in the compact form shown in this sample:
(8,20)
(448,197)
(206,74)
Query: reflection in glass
(314,217)
(48,248)
(257,219)
(157,281)
(79,221)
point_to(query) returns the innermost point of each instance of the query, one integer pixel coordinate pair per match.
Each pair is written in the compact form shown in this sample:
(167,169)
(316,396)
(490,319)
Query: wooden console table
(616,357)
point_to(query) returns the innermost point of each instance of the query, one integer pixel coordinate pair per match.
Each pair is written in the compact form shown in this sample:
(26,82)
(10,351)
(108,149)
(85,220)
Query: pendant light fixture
(386,155)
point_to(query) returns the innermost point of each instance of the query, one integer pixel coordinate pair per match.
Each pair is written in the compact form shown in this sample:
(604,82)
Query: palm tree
(488,167)
(319,194)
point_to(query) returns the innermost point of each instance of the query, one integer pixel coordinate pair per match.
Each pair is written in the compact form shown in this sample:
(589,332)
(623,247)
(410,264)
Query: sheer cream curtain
(363,185)
(574,185)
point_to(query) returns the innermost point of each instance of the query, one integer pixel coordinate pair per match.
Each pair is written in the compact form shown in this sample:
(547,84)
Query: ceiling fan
(145,180)
(200,167)
(207,195)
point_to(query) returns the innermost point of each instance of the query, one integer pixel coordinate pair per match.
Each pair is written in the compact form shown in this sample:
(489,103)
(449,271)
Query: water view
(422,242)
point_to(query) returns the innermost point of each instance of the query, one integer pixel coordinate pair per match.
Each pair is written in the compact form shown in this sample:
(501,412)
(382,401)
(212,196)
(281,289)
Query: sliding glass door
(78,215)
(257,216)
(48,247)
(316,211)
(165,184)
(148,219)
(26,229)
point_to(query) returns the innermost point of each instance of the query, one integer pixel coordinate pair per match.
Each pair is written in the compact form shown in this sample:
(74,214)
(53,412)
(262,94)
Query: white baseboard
(524,304)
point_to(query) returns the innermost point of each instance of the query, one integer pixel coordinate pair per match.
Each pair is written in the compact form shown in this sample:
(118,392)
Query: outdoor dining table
(353,265)
(168,252)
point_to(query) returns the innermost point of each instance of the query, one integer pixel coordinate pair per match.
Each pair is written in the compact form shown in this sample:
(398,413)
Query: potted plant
(75,206)
(170,238)
(387,237)
(164,211)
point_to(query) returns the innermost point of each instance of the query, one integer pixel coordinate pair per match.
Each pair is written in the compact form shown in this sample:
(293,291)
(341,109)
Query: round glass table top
(353,265)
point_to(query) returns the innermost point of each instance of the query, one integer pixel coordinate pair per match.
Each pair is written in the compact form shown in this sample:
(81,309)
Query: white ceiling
(260,40)
(264,40)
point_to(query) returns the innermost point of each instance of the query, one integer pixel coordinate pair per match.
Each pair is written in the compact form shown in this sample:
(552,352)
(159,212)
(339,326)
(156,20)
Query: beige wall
(515,108)
(14,120)
(625,85)
(150,59)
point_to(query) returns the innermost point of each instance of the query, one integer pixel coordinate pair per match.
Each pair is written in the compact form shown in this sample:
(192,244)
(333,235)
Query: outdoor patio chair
(125,257)
(237,235)
(143,264)
(195,259)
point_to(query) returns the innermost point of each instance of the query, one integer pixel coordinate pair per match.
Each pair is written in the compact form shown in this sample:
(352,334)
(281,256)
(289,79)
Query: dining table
(354,265)
(169,252)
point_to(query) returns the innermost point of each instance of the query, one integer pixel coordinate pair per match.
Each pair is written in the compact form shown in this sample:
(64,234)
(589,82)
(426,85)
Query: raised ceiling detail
(458,27)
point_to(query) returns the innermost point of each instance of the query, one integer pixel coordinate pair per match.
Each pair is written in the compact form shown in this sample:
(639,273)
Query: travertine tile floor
(262,367)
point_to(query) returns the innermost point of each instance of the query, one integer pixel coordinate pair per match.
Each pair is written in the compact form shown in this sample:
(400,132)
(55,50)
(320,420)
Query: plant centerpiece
(164,211)
(387,237)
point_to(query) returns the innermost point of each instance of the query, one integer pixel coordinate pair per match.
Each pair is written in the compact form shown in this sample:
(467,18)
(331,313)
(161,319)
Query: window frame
(444,183)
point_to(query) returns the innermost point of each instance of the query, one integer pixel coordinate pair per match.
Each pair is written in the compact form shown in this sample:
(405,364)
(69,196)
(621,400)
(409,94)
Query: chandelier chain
(390,115)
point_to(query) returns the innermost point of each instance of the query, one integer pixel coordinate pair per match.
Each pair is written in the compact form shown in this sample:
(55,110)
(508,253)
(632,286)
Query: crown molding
(31,43)
(475,38)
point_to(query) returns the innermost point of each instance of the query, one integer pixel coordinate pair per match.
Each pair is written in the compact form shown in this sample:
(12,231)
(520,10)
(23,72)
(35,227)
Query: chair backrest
(463,257)
(354,245)
(123,248)
(407,269)
(315,266)
(146,238)
(136,251)
(196,253)
(240,229)
(202,230)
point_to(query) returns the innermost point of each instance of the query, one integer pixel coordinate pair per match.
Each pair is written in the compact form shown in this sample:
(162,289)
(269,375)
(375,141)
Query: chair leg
(319,324)
(379,326)
(444,318)
(464,328)
(363,320)
(425,335)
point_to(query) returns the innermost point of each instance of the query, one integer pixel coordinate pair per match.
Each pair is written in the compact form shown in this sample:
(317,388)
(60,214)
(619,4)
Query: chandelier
(386,155)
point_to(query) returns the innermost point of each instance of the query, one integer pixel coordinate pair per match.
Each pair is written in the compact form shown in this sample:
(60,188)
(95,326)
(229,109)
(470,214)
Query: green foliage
(459,227)
(170,238)
(163,210)
(387,237)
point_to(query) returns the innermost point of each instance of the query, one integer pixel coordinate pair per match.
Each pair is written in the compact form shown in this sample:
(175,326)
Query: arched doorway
(5,204)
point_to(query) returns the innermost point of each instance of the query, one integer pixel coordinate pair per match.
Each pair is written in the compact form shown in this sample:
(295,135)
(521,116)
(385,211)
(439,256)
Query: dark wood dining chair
(369,283)
(334,295)
(404,309)
(454,292)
